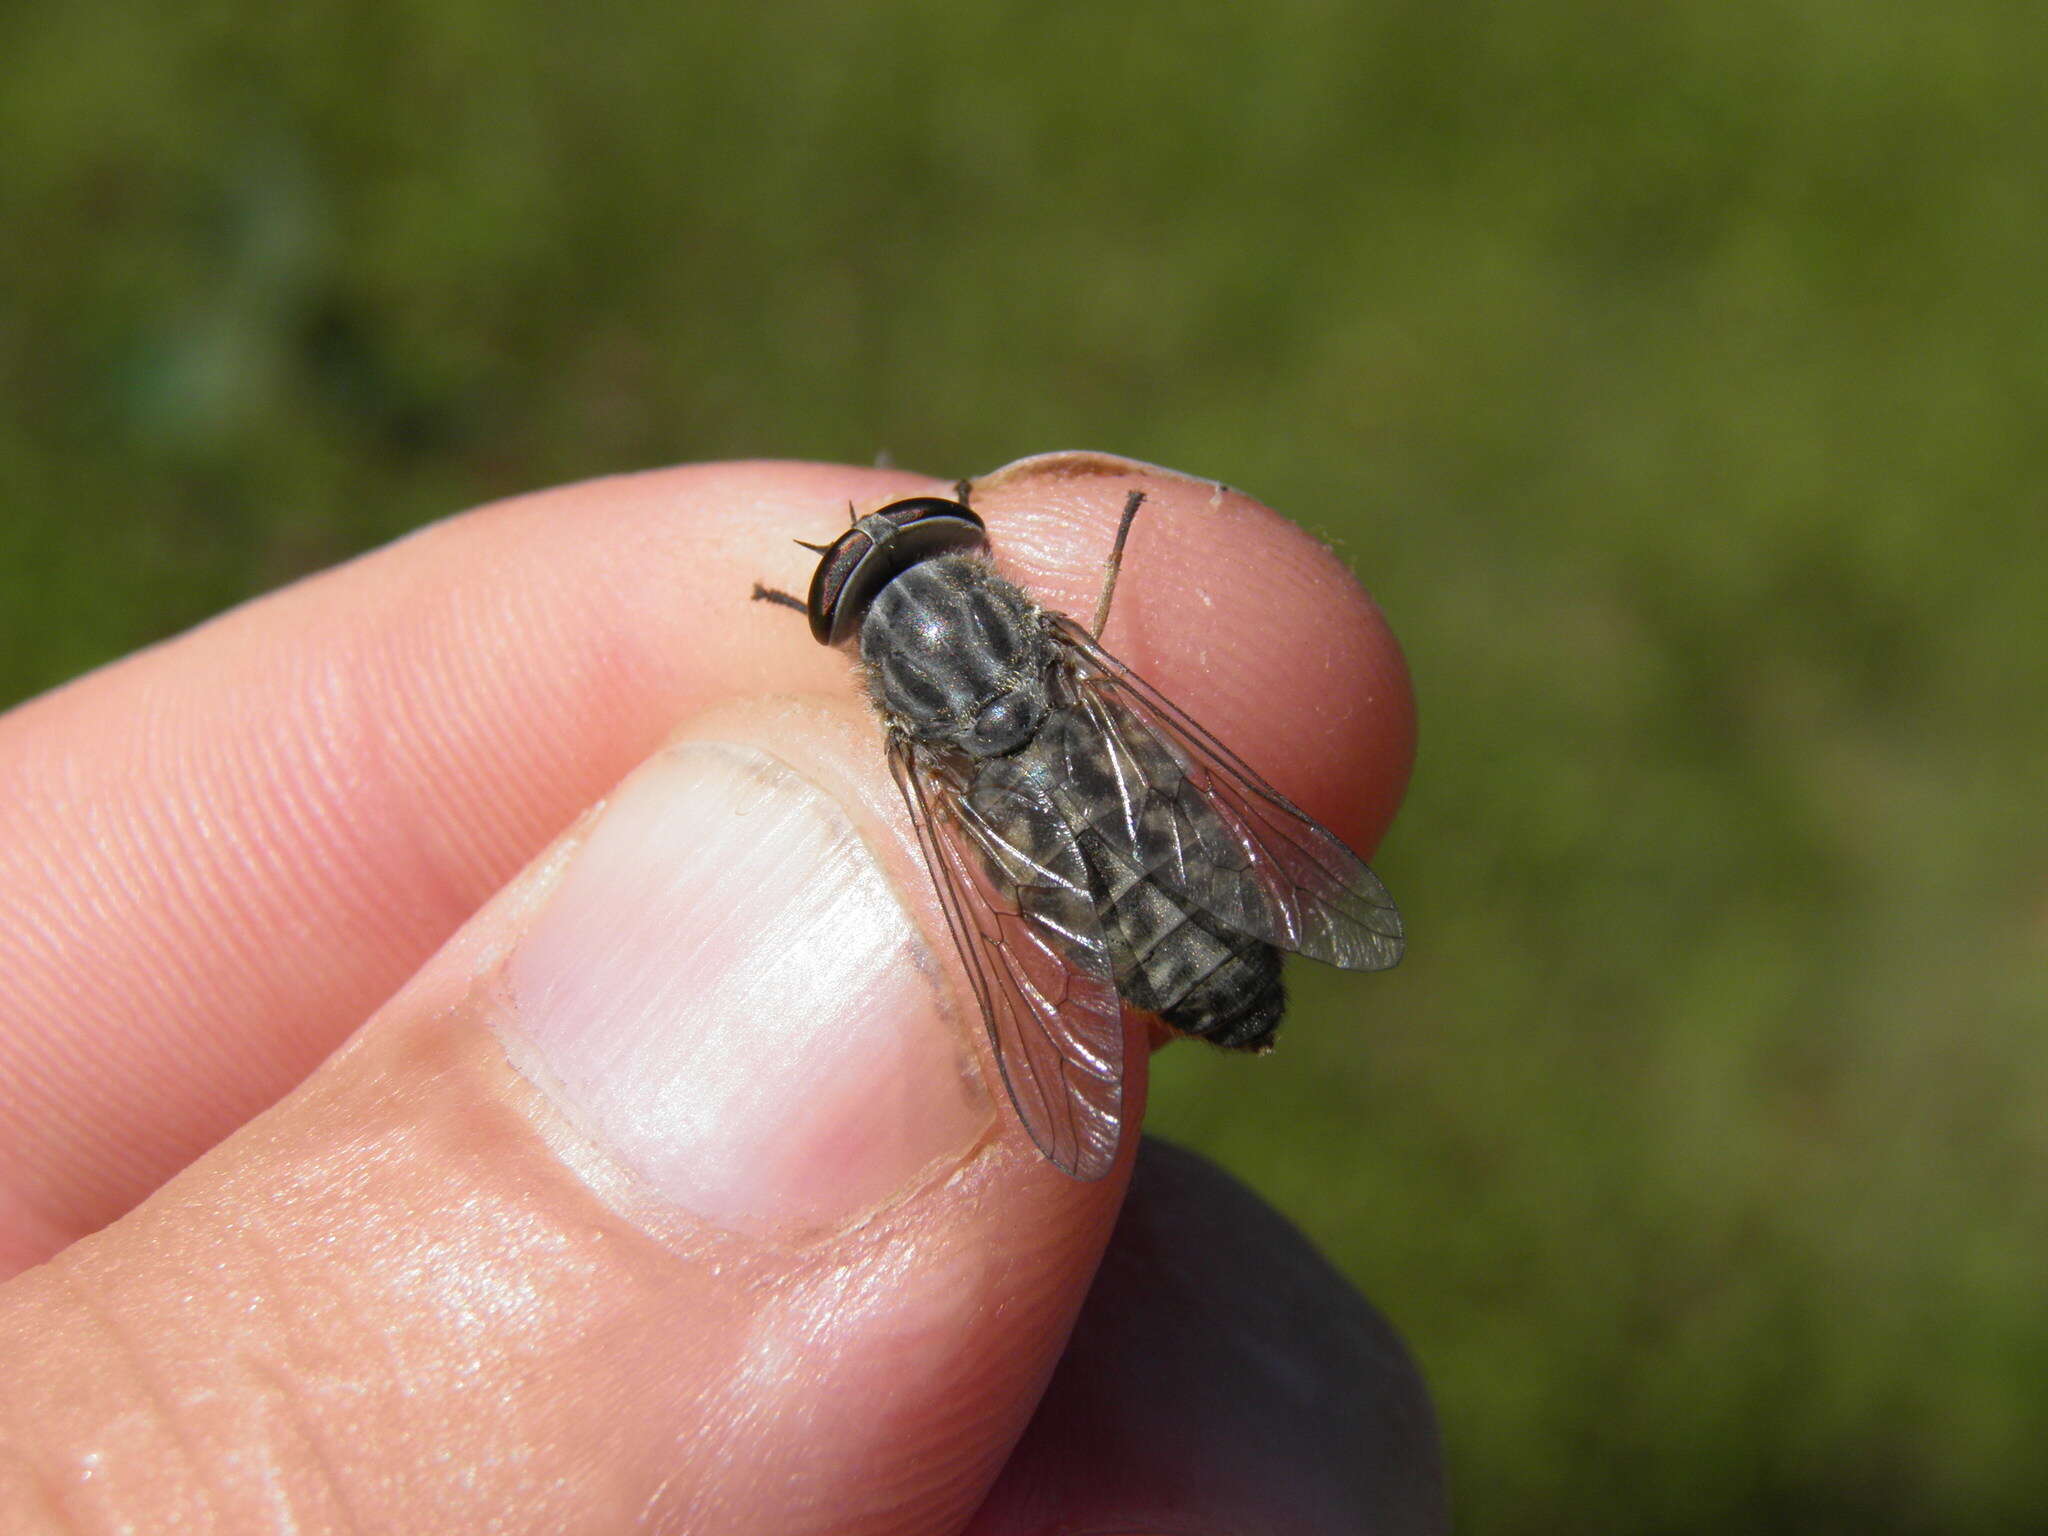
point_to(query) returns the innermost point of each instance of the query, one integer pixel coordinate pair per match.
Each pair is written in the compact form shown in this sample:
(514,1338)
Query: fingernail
(725,993)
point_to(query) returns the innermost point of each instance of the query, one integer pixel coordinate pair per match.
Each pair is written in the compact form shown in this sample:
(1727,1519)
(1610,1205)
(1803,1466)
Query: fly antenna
(779,599)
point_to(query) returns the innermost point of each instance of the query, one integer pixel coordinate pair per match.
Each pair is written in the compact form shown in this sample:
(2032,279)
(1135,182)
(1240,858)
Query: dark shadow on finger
(1223,1378)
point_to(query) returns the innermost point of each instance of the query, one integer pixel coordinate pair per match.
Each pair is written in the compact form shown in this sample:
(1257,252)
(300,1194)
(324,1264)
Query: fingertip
(1254,626)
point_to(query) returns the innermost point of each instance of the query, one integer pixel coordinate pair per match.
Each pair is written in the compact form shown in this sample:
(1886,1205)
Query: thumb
(671,1192)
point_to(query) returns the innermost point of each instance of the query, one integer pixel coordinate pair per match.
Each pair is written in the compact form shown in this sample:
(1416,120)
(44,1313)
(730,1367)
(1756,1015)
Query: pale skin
(260,1280)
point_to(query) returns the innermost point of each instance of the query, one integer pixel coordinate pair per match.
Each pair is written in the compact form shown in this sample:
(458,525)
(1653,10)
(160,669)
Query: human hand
(664,1187)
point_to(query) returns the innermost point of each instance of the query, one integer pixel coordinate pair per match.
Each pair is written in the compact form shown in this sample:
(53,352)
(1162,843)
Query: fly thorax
(957,656)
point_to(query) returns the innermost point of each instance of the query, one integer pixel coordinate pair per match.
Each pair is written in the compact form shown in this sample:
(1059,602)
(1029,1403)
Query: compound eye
(875,551)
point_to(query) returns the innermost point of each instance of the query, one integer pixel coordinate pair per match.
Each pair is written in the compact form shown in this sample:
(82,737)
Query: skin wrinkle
(288,1280)
(46,1511)
(826,1303)
(354,784)
(165,1414)
(843,1302)
(347,797)
(285,1395)
(196,913)
(426,1266)
(480,618)
(814,1324)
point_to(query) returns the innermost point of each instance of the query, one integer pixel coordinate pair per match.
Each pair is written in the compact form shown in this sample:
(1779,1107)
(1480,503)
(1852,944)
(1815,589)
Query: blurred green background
(1676,377)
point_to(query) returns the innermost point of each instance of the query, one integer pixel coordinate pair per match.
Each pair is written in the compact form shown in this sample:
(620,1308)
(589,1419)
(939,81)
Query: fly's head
(956,657)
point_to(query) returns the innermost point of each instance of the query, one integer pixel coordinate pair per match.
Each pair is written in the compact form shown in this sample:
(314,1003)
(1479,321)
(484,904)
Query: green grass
(1676,376)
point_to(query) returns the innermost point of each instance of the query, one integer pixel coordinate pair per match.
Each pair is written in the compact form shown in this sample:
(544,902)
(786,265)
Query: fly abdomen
(1168,879)
(1199,977)
(1239,1004)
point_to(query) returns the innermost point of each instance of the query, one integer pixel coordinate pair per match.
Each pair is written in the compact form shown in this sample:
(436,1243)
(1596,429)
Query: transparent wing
(1017,896)
(1183,810)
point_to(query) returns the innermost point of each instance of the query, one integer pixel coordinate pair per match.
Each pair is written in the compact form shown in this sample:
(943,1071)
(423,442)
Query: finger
(669,1194)
(226,850)
(1222,1377)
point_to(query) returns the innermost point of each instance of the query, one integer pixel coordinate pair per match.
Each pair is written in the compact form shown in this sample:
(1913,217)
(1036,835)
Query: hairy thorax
(958,656)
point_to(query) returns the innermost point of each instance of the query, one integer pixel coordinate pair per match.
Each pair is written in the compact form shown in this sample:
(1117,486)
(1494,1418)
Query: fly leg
(1116,561)
(962,489)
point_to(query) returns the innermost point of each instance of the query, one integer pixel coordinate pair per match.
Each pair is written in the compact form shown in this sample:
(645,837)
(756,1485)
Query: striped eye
(877,549)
